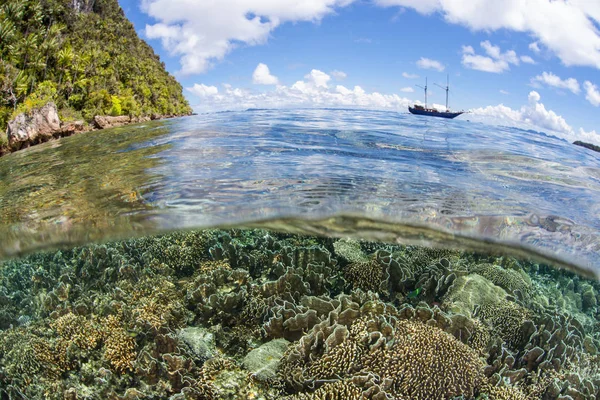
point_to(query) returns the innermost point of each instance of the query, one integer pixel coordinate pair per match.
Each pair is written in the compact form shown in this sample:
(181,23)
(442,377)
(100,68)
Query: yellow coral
(73,330)
(426,363)
(340,390)
(118,345)
(366,275)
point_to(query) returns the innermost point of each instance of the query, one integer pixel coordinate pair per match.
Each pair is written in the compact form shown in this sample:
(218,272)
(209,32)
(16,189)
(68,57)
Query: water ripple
(498,186)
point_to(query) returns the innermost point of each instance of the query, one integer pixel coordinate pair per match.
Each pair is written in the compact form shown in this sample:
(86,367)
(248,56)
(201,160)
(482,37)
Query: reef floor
(252,314)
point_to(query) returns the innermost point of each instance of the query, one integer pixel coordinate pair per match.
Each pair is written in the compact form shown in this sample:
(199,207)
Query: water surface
(374,175)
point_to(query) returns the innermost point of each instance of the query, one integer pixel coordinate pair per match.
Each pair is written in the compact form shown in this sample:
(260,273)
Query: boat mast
(447,88)
(425,88)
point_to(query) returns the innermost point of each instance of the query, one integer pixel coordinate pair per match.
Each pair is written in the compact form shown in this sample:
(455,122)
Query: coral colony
(251,314)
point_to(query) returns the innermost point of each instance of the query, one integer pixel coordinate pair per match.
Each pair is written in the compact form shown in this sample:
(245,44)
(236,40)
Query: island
(587,145)
(71,66)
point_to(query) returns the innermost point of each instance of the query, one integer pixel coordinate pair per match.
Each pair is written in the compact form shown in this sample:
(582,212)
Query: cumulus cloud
(409,76)
(407,89)
(533,115)
(568,29)
(427,63)
(313,91)
(548,78)
(262,76)
(201,90)
(527,60)
(496,61)
(201,32)
(592,94)
(504,91)
(339,75)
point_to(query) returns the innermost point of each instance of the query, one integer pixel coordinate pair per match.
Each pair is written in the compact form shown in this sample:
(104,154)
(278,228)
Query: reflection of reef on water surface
(252,314)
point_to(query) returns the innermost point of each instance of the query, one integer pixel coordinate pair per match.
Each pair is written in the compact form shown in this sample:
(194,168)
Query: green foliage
(92,63)
(45,92)
(115,109)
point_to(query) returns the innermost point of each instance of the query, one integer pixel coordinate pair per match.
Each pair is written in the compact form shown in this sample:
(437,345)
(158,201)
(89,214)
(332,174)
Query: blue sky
(530,63)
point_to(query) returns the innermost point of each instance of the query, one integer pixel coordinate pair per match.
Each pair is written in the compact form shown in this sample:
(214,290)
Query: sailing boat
(432,112)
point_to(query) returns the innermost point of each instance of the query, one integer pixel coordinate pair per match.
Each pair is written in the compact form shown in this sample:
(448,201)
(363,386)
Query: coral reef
(254,314)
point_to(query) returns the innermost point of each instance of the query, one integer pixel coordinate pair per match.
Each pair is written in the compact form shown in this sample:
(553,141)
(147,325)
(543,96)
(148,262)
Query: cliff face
(85,56)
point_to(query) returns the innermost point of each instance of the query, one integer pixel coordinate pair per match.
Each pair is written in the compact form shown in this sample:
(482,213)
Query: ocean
(301,254)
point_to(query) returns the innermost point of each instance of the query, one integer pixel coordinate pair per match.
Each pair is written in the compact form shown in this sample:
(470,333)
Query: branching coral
(119,346)
(426,363)
(505,320)
(369,275)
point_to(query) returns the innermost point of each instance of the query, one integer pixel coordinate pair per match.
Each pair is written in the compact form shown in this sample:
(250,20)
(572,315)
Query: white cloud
(363,40)
(316,79)
(533,115)
(504,91)
(339,75)
(201,32)
(409,76)
(550,79)
(592,94)
(468,50)
(407,89)
(312,91)
(534,47)
(202,90)
(495,61)
(262,76)
(566,28)
(427,63)
(527,60)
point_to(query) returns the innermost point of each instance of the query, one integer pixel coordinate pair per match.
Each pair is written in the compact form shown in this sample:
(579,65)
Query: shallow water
(454,182)
(253,314)
(338,263)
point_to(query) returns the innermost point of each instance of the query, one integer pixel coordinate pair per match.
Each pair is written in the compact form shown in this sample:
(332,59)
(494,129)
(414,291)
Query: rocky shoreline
(43,124)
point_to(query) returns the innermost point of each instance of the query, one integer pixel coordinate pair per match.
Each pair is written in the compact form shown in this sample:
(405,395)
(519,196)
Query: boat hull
(432,113)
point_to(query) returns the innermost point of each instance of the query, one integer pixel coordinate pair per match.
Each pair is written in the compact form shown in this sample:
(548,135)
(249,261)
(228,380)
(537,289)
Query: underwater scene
(255,314)
(300,254)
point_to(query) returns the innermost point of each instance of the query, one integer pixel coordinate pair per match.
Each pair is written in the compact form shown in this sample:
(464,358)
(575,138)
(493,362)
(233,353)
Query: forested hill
(85,56)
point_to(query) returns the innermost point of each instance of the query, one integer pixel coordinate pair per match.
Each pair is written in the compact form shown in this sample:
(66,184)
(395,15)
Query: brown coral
(426,363)
(505,320)
(118,345)
(158,304)
(340,390)
(74,330)
(368,275)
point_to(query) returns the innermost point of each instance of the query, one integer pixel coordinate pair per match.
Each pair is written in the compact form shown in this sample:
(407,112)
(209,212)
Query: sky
(527,63)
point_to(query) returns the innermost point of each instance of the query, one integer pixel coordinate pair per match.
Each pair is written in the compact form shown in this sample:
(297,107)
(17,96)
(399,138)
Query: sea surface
(394,176)
(301,254)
